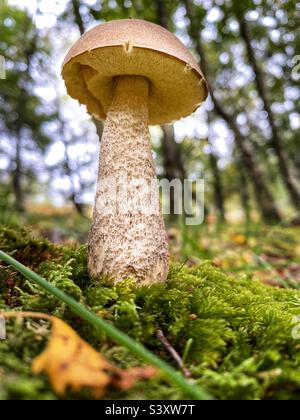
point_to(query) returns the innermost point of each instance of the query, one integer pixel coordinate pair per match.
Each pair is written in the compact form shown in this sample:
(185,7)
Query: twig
(160,335)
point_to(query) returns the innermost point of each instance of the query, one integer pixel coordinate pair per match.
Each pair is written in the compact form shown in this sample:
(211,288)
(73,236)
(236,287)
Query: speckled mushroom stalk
(125,241)
(131,73)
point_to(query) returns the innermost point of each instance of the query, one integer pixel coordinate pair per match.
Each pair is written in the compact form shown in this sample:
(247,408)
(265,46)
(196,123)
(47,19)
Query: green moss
(236,334)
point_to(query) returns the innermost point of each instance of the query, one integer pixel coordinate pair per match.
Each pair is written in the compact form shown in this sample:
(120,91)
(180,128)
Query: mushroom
(131,73)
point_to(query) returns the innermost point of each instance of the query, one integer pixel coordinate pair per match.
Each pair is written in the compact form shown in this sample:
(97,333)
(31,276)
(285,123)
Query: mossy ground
(234,332)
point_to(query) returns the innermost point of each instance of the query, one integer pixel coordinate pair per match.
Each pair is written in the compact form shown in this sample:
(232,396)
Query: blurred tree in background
(245,143)
(22,112)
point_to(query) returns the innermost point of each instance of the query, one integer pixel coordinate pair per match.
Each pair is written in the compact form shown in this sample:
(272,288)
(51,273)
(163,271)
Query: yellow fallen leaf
(239,239)
(72,363)
(69,361)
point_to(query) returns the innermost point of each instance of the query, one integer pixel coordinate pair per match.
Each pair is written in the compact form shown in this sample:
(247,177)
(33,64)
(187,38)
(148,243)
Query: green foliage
(26,248)
(235,334)
(20,107)
(23,114)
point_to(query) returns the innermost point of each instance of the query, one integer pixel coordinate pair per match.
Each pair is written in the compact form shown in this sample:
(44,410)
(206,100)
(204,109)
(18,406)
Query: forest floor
(228,309)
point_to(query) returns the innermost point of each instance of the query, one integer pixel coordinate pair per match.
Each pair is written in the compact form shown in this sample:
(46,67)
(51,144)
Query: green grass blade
(173,376)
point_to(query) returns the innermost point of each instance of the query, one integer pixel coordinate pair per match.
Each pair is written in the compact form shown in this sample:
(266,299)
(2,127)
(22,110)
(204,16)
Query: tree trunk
(17,177)
(218,188)
(81,27)
(263,196)
(162,14)
(244,191)
(217,182)
(78,206)
(77,16)
(276,142)
(67,167)
(172,159)
(173,165)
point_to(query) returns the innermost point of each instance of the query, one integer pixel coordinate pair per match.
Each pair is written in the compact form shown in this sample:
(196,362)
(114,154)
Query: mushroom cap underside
(138,48)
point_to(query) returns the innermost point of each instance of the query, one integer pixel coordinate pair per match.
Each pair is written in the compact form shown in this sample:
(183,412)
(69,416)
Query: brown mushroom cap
(140,48)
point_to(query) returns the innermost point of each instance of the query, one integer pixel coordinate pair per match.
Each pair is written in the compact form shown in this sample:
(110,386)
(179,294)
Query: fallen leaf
(239,239)
(72,363)
(125,379)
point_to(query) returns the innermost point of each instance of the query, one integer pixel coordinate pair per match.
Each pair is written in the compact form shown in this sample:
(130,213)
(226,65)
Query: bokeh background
(245,140)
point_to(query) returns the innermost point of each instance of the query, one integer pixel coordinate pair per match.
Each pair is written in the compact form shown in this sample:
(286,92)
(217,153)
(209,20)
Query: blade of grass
(174,377)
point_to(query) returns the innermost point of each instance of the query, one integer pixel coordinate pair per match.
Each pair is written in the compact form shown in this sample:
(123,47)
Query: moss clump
(236,334)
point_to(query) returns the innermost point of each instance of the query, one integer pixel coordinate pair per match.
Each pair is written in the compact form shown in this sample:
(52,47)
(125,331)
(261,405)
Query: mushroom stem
(128,238)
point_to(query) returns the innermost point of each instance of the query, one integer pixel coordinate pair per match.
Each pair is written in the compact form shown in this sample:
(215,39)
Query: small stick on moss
(160,335)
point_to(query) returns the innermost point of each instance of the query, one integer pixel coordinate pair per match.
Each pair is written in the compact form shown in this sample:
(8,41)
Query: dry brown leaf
(126,379)
(72,363)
